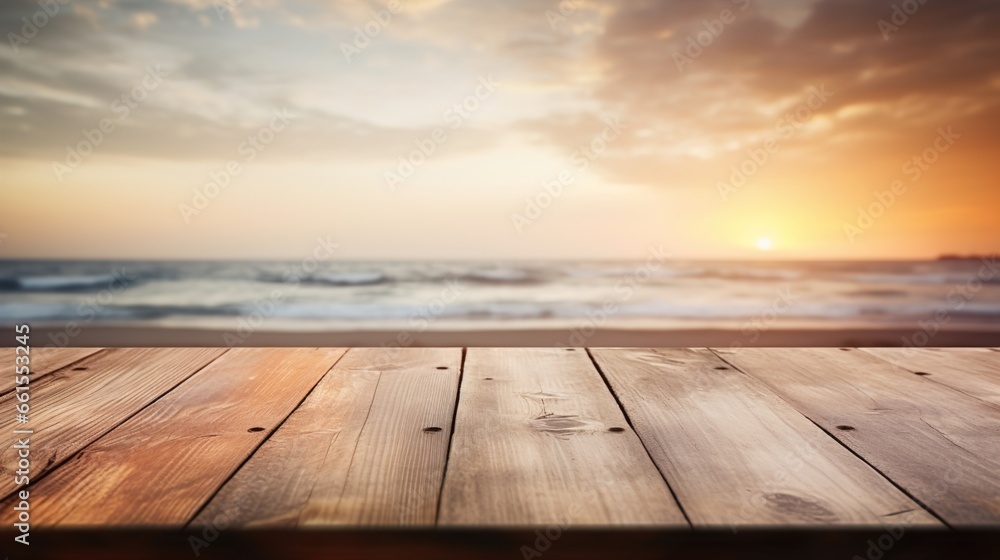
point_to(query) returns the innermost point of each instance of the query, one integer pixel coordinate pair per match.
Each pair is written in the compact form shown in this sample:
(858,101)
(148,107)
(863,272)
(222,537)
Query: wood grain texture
(737,455)
(164,464)
(368,447)
(941,446)
(158,436)
(539,440)
(72,407)
(43,362)
(973,371)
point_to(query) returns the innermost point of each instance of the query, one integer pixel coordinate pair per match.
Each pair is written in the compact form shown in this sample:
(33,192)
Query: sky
(437,129)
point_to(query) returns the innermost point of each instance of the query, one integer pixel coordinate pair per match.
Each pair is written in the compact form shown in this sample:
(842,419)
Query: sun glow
(764,244)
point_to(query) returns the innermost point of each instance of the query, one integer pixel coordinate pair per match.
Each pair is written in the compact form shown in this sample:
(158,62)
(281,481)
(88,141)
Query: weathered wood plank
(163,464)
(736,454)
(941,446)
(316,442)
(73,407)
(43,362)
(975,372)
(368,447)
(540,440)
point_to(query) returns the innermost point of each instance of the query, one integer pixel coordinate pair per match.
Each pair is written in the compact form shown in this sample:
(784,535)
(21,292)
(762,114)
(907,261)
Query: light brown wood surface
(73,407)
(973,371)
(163,464)
(515,437)
(367,448)
(736,454)
(540,440)
(938,444)
(43,361)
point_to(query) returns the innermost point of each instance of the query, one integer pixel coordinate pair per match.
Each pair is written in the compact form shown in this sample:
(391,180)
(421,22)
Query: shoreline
(117,336)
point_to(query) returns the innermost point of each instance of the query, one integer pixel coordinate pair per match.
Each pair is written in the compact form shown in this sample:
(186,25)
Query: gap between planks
(738,455)
(393,504)
(368,447)
(43,361)
(972,371)
(941,446)
(73,407)
(188,442)
(539,440)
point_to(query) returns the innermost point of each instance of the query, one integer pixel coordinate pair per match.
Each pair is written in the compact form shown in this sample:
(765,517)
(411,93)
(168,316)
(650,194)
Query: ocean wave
(358,278)
(382,311)
(638,270)
(361,278)
(57,283)
(501,275)
(79,312)
(198,292)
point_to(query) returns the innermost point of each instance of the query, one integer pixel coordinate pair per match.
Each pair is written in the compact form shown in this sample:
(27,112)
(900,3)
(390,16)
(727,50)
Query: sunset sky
(636,114)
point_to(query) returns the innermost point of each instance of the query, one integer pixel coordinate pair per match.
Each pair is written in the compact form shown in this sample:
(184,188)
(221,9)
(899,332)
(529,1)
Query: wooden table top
(508,437)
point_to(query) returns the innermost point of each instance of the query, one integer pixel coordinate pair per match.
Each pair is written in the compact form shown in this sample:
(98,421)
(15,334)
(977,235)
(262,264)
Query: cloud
(231,66)
(941,66)
(142,20)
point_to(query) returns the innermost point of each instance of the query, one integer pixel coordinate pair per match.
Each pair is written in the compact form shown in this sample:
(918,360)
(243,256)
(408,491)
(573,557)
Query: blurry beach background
(916,303)
(447,172)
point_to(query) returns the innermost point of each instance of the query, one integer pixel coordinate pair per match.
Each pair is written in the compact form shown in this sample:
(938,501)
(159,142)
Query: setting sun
(764,244)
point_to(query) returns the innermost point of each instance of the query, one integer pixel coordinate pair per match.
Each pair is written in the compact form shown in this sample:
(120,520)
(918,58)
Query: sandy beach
(798,337)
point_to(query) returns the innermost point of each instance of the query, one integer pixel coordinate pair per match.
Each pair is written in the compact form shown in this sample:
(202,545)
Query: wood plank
(737,455)
(941,446)
(165,463)
(73,407)
(368,447)
(43,362)
(540,440)
(975,372)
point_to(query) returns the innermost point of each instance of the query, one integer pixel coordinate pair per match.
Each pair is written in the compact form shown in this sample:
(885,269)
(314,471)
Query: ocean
(652,294)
